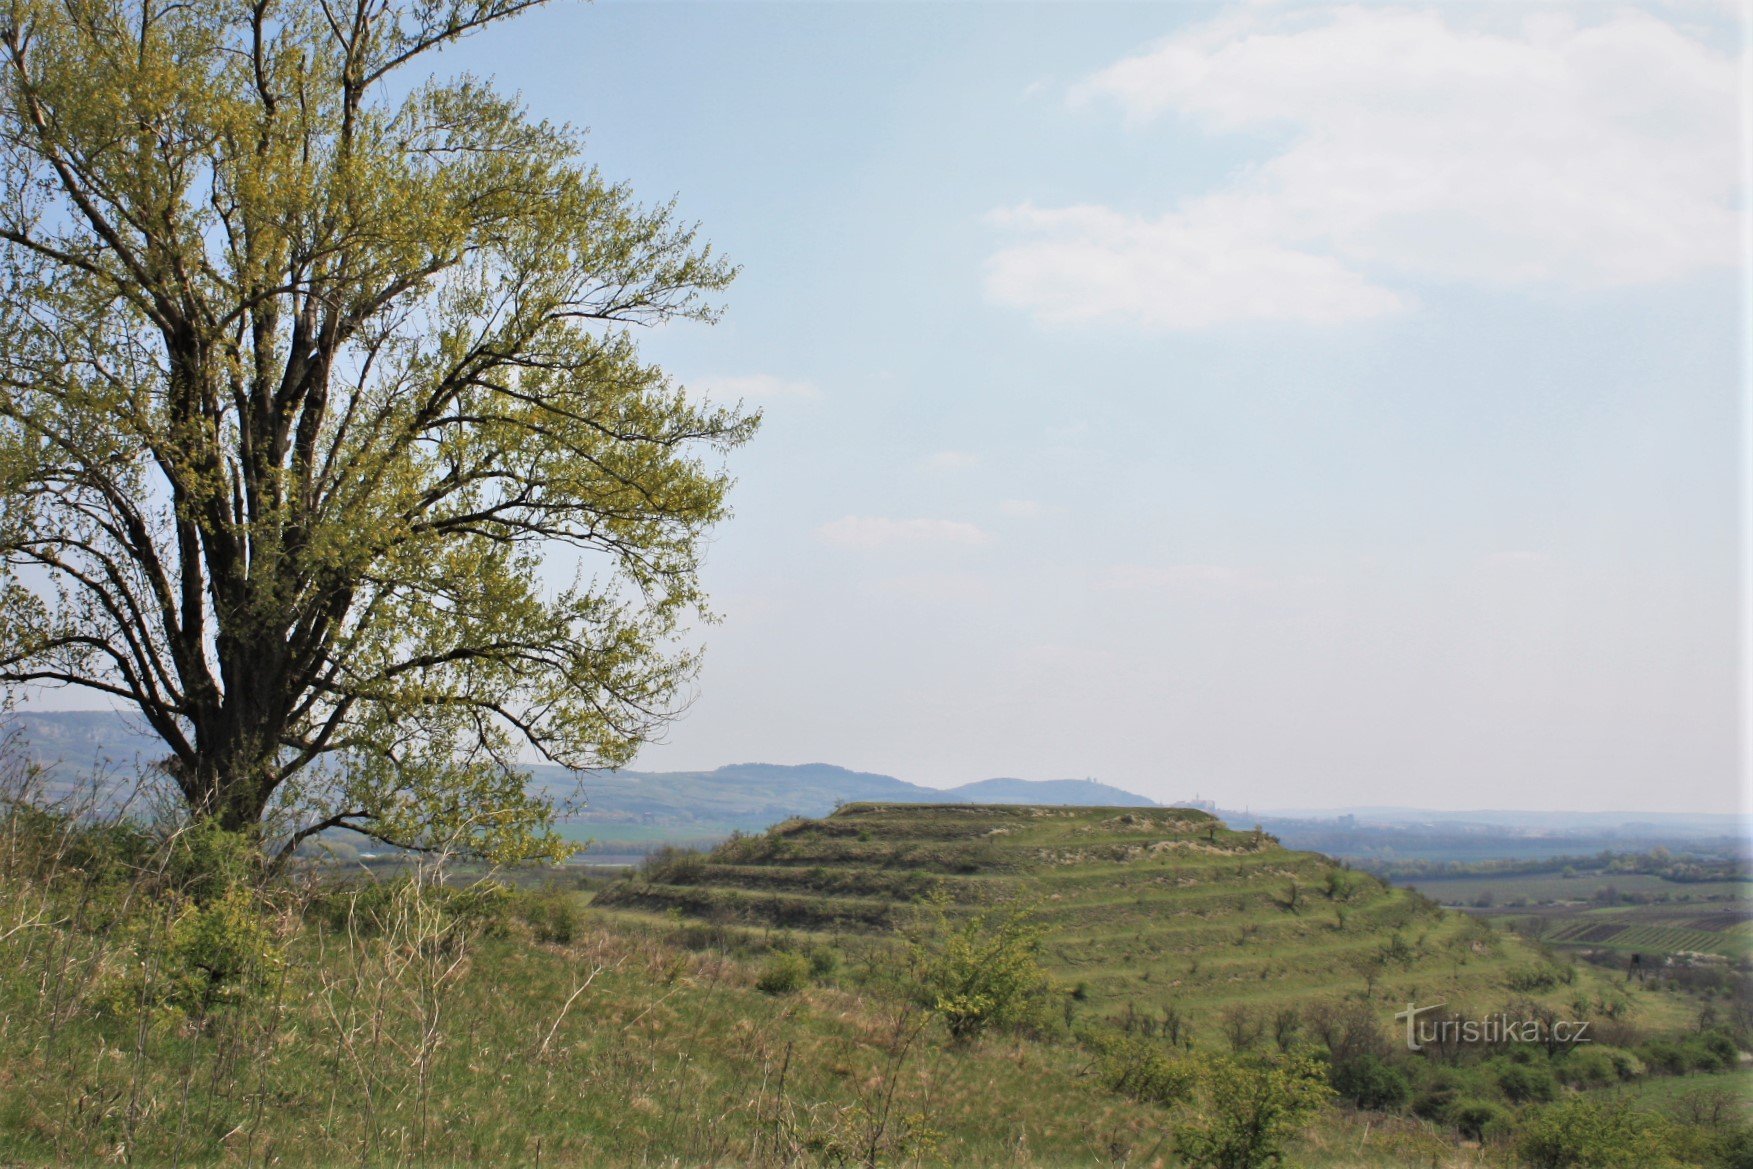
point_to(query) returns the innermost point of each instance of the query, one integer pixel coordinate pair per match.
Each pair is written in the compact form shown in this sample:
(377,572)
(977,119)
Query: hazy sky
(1296,405)
(1286,403)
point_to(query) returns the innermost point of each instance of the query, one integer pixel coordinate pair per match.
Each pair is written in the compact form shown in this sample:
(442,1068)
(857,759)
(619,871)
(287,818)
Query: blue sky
(1292,404)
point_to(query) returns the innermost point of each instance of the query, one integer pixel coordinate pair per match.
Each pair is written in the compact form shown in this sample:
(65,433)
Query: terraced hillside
(1141,906)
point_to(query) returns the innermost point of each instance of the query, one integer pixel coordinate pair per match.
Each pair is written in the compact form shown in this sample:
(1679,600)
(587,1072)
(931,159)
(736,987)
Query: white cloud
(953,461)
(757,387)
(868,533)
(1179,272)
(1409,145)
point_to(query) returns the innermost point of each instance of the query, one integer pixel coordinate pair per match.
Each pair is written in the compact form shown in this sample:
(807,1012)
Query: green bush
(1370,1082)
(1476,1119)
(1249,1109)
(981,973)
(1143,1069)
(205,861)
(551,914)
(1530,979)
(1583,1134)
(219,951)
(824,962)
(373,908)
(1664,1057)
(1712,1051)
(784,972)
(1523,1084)
(1589,1066)
(1437,1094)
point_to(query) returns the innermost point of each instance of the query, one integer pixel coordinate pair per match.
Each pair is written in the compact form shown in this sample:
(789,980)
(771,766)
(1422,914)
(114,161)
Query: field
(1628,913)
(1653,930)
(1587,886)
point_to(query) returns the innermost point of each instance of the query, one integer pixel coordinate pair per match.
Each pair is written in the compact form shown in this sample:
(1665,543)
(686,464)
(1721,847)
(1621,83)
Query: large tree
(306,390)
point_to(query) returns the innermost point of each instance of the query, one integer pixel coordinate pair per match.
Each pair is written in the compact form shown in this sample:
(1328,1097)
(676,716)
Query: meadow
(957,987)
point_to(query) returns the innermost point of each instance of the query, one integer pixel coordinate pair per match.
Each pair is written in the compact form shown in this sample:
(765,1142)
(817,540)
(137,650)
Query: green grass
(622,1048)
(422,1026)
(1142,909)
(1679,1095)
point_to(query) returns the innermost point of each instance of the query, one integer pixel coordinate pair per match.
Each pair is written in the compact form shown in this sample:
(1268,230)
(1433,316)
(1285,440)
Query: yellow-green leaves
(300,390)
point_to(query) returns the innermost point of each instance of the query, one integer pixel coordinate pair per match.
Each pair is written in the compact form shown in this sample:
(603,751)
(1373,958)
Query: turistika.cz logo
(1490,1029)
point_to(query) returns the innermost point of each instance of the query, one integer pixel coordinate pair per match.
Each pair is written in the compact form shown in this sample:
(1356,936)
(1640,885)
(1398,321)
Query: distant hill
(750,796)
(618,806)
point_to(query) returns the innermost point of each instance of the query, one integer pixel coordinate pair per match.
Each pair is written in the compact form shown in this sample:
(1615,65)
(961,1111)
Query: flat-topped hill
(1142,906)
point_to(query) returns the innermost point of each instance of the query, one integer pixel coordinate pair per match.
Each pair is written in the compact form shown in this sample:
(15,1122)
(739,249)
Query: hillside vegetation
(1147,909)
(949,986)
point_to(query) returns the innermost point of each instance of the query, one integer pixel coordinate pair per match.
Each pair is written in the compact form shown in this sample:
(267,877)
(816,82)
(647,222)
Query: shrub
(1530,979)
(1369,1082)
(981,973)
(1589,1067)
(1475,1119)
(674,866)
(551,914)
(372,908)
(784,972)
(1584,1134)
(824,962)
(1437,1095)
(1664,1057)
(1522,1083)
(1248,1110)
(219,951)
(1710,1052)
(1143,1070)
(205,861)
(189,958)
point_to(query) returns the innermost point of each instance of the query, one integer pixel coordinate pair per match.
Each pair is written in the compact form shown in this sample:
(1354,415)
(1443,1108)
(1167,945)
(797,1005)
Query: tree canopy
(304,377)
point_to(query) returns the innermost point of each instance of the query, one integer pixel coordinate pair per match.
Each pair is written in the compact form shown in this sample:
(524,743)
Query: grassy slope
(665,1057)
(1145,907)
(625,1048)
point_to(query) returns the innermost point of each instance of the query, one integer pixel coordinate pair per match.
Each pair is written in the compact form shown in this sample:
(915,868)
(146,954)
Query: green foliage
(1370,1082)
(1708,1051)
(202,936)
(1522,1083)
(824,961)
(1341,884)
(302,372)
(552,915)
(1249,1109)
(374,908)
(784,972)
(1146,1070)
(1591,1065)
(1590,1134)
(205,861)
(1531,979)
(219,950)
(980,972)
(1478,1119)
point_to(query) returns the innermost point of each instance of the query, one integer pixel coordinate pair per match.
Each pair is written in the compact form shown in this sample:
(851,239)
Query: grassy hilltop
(1140,907)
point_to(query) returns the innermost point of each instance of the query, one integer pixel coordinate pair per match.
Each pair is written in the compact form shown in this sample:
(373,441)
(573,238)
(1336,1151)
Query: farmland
(1621,912)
